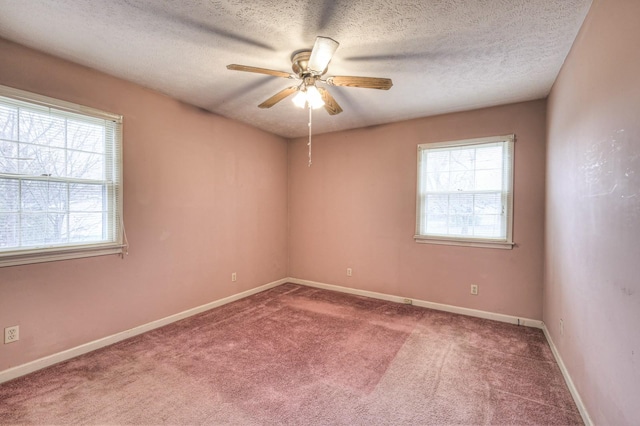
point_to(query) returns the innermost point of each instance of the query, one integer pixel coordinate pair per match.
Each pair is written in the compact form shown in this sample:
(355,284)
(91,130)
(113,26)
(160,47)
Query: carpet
(295,355)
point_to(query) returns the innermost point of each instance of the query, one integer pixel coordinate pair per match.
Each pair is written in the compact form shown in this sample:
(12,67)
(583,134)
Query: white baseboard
(567,378)
(423,303)
(49,360)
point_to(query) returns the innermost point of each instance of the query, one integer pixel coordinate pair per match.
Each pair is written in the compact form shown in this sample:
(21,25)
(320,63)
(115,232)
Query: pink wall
(225,211)
(355,207)
(204,197)
(592,277)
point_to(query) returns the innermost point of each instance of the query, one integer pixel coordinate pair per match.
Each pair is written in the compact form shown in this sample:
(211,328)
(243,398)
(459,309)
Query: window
(60,180)
(465,192)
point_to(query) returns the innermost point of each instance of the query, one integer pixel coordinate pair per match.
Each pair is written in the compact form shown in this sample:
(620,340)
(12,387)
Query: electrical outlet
(349,272)
(408,301)
(11,334)
(474,289)
(234,277)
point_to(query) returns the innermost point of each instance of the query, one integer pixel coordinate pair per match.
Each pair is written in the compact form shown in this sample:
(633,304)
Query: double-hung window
(60,180)
(465,192)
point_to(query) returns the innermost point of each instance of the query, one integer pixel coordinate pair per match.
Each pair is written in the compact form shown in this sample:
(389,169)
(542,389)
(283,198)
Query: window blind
(465,190)
(60,179)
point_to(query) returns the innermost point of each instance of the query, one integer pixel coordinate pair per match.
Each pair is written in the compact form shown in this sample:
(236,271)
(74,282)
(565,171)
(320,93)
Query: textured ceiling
(443,55)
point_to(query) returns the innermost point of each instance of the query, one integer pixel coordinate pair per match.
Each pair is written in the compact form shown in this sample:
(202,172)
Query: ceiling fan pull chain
(309,144)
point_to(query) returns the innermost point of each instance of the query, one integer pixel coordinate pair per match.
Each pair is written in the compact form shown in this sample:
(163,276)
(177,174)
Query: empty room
(320,212)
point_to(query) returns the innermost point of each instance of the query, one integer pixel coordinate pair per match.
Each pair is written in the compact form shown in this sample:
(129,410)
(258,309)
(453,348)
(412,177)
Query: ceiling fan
(309,67)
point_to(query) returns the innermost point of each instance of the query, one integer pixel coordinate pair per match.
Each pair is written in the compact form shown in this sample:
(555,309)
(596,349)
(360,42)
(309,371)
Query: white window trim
(507,243)
(29,256)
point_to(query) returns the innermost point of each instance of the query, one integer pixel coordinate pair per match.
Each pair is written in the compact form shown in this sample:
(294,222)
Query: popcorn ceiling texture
(443,56)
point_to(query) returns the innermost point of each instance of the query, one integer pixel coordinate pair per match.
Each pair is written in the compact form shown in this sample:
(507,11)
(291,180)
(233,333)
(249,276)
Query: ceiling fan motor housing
(300,63)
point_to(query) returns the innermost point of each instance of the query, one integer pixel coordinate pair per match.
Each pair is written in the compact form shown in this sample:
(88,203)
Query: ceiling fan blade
(330,103)
(236,67)
(365,82)
(278,97)
(321,54)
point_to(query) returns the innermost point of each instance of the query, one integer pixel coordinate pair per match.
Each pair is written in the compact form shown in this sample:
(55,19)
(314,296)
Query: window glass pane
(461,181)
(438,225)
(31,162)
(57,201)
(57,228)
(437,161)
(488,180)
(43,229)
(85,136)
(462,159)
(42,129)
(489,158)
(437,204)
(38,160)
(8,123)
(437,181)
(34,196)
(9,195)
(86,227)
(83,165)
(488,226)
(461,214)
(8,157)
(9,233)
(488,204)
(87,198)
(43,196)
(33,227)
(436,208)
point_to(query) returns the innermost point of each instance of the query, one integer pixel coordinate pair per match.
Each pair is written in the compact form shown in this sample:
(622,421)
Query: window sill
(53,255)
(421,239)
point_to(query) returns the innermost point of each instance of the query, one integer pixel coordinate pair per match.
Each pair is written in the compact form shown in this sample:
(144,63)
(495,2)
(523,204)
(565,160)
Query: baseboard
(423,303)
(49,360)
(567,378)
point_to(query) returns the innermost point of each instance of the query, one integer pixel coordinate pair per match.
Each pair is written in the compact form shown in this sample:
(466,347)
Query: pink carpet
(301,356)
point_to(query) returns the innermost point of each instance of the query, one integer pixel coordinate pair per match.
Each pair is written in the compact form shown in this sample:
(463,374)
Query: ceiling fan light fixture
(308,95)
(314,97)
(300,99)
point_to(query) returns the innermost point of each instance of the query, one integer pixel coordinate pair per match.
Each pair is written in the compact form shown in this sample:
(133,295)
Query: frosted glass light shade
(311,95)
(314,98)
(323,50)
(300,99)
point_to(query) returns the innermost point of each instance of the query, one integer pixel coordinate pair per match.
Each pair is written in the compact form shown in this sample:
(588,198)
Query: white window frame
(74,251)
(507,196)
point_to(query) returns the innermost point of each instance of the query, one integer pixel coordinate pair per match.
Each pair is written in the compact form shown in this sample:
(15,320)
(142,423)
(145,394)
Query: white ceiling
(443,55)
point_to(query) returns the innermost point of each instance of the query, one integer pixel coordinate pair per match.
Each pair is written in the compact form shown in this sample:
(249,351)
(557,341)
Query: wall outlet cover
(11,334)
